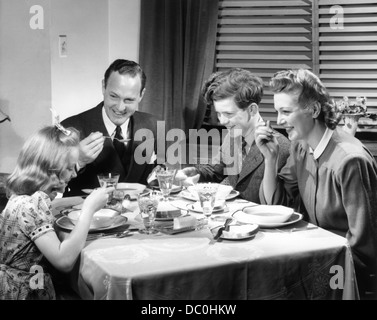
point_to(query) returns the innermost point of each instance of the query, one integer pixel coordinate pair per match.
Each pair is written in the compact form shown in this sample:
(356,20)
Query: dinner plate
(175,189)
(132,188)
(268,213)
(189,196)
(64,223)
(243,217)
(60,209)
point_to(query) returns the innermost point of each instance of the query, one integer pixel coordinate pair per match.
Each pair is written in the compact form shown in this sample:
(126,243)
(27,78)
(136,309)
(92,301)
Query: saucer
(194,197)
(196,207)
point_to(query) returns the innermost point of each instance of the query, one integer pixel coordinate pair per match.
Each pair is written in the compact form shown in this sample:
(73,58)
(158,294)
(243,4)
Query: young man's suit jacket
(247,181)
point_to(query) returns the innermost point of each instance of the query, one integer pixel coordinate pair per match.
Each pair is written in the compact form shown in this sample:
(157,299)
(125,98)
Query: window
(268,36)
(347,49)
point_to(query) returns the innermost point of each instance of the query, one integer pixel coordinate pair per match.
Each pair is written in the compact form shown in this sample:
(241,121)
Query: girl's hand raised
(97,199)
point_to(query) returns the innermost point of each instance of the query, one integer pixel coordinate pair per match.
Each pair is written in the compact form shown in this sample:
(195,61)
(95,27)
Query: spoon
(120,140)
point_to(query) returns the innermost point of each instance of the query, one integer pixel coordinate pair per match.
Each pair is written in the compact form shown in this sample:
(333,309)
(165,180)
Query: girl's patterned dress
(22,266)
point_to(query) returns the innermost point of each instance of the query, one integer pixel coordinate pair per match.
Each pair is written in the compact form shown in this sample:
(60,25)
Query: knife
(221,229)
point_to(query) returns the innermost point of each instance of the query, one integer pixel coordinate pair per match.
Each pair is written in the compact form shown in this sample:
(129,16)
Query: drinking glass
(148,203)
(108,180)
(207,196)
(165,179)
(116,202)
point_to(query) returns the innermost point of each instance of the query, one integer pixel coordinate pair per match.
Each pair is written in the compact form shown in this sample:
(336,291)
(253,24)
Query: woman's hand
(265,138)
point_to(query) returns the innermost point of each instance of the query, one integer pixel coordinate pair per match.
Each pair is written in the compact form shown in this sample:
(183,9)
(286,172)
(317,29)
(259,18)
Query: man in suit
(115,137)
(235,95)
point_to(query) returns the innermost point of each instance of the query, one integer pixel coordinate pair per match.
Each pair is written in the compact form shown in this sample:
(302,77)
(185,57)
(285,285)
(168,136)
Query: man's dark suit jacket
(247,182)
(108,160)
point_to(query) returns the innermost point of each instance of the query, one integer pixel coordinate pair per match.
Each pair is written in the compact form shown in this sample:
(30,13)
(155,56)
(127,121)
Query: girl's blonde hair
(42,159)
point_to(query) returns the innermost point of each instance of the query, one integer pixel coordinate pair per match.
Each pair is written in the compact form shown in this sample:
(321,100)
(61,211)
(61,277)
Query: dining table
(291,261)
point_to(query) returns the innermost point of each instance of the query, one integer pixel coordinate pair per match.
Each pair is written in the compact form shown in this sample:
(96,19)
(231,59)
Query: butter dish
(166,211)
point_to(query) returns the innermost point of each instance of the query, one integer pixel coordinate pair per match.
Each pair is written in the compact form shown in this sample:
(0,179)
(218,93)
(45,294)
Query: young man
(235,95)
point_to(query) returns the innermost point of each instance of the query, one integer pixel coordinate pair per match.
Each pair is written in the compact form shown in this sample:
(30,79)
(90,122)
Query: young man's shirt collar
(110,126)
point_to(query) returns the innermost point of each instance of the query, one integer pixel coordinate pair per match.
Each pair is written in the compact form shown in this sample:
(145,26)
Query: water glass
(148,203)
(117,199)
(108,180)
(207,196)
(165,179)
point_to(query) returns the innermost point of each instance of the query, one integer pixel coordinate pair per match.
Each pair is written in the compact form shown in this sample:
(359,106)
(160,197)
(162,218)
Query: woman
(330,175)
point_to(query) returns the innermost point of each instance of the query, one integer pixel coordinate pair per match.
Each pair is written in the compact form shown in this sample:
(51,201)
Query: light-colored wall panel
(25,75)
(33,77)
(124,29)
(76,78)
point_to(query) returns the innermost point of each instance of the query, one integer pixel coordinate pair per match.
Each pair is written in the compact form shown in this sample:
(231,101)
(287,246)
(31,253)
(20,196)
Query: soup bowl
(101,219)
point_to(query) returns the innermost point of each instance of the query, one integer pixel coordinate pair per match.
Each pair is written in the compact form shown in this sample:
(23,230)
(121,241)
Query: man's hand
(188,176)
(90,148)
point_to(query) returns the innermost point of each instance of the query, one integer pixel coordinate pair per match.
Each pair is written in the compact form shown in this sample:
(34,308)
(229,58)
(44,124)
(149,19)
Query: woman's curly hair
(309,89)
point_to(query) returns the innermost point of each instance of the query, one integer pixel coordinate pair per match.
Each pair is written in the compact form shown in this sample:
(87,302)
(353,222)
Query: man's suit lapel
(253,159)
(137,123)
(96,122)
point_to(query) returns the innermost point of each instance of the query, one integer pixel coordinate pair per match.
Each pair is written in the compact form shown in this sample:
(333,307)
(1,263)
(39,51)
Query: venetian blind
(347,38)
(264,37)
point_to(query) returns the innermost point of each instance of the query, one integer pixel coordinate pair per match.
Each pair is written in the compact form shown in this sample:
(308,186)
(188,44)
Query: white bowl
(133,189)
(268,214)
(101,219)
(223,191)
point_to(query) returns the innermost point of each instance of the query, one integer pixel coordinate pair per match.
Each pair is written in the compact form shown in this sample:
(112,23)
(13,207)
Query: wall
(32,75)
(124,29)
(76,79)
(25,76)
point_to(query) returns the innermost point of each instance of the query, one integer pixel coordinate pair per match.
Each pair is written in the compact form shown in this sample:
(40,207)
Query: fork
(120,140)
(104,235)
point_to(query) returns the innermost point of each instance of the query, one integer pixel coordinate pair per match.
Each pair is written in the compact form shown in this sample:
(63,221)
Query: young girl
(27,237)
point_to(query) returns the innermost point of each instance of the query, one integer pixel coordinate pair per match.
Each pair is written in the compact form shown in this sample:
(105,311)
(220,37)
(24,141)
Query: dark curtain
(177,53)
